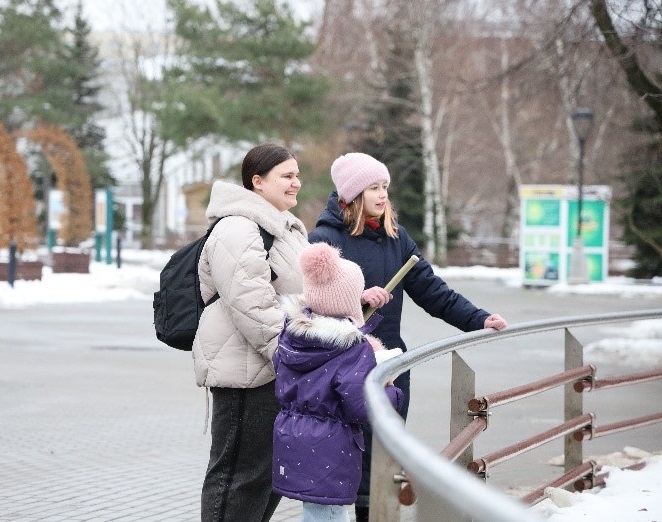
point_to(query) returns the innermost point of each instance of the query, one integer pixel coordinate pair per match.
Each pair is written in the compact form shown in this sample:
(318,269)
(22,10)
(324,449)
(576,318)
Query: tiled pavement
(103,427)
(99,421)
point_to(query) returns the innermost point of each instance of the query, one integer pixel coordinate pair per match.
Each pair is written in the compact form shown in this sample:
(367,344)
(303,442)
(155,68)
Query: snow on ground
(138,278)
(630,496)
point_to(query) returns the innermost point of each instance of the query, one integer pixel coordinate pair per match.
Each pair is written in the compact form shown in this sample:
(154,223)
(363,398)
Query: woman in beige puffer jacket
(238,333)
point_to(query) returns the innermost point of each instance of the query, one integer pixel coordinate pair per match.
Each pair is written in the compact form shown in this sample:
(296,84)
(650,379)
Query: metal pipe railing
(480,465)
(573,476)
(464,439)
(620,380)
(530,389)
(440,482)
(609,429)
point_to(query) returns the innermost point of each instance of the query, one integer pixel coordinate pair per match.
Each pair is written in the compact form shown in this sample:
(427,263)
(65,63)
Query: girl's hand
(375,297)
(495,321)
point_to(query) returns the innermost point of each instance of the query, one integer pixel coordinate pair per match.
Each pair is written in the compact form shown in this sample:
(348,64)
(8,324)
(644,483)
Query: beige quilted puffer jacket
(238,333)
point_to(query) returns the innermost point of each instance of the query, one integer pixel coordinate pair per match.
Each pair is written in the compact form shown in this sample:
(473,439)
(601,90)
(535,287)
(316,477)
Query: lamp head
(582,120)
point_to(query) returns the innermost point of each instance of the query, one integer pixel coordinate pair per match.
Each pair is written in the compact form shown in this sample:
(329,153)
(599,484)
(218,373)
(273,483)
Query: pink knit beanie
(354,172)
(332,286)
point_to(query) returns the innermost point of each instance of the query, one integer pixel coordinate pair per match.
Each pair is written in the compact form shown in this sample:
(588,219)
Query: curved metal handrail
(443,480)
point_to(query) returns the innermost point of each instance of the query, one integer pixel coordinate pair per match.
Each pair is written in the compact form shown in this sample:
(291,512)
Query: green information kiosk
(548,225)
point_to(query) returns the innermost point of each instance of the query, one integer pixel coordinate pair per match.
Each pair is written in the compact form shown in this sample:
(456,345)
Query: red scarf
(372,223)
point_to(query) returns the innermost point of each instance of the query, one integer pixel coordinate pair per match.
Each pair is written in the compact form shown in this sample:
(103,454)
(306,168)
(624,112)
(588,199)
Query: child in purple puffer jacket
(324,354)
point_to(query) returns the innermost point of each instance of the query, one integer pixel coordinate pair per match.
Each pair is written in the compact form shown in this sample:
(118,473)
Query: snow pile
(629,495)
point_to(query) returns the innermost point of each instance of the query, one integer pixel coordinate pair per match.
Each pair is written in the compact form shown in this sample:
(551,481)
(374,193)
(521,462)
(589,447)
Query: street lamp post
(582,120)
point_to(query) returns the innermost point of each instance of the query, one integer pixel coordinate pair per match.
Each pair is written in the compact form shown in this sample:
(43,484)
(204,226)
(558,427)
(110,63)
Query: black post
(580,185)
(119,251)
(582,120)
(11,267)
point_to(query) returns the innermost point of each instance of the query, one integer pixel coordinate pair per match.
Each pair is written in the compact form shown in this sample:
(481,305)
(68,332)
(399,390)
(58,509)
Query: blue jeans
(237,486)
(324,513)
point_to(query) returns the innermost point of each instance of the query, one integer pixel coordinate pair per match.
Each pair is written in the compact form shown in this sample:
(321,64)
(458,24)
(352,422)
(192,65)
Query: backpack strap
(215,296)
(211,227)
(267,239)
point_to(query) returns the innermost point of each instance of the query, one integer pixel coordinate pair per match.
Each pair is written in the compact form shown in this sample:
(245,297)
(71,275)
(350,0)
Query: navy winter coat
(380,257)
(321,364)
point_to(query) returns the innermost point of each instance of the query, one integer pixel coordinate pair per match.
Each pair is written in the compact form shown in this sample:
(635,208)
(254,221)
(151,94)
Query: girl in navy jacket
(360,221)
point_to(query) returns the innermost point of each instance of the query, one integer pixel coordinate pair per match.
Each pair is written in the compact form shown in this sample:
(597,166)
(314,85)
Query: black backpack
(178,304)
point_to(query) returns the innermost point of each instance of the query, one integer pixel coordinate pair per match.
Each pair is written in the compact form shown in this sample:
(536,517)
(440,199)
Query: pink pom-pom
(319,263)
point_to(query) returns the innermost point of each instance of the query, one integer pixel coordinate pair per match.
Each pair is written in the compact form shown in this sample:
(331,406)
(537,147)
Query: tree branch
(640,83)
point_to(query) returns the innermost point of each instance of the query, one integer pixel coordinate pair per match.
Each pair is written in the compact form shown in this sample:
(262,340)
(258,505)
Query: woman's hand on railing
(496,322)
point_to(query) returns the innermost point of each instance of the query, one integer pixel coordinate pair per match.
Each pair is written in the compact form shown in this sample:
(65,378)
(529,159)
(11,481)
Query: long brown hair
(353,215)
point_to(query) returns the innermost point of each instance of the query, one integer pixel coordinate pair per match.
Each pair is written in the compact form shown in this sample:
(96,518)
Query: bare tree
(423,27)
(642,213)
(141,56)
(496,88)
(640,82)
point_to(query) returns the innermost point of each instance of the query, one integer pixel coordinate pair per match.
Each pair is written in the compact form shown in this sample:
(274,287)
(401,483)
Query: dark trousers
(363,500)
(237,486)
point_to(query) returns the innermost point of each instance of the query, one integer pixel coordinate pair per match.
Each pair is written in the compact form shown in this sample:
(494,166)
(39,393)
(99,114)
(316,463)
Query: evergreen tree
(85,85)
(394,137)
(640,204)
(43,79)
(34,70)
(33,74)
(241,74)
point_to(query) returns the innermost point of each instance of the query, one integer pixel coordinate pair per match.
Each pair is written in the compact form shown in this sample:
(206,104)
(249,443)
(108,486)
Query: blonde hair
(353,215)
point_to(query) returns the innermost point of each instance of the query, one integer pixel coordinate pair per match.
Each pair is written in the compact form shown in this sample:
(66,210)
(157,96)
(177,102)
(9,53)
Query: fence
(505,254)
(445,491)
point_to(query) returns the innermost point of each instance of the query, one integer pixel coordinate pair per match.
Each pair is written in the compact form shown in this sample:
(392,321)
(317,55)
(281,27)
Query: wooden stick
(393,282)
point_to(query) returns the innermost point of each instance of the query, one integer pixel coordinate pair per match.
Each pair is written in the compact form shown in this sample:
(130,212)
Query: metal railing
(443,489)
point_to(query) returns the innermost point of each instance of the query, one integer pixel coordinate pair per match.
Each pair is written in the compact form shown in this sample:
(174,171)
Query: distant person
(360,220)
(238,333)
(323,357)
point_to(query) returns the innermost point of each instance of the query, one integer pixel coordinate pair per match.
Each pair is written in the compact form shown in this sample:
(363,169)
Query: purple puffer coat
(321,364)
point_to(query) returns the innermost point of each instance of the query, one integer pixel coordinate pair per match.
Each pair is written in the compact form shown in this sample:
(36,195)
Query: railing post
(384,490)
(574,402)
(463,389)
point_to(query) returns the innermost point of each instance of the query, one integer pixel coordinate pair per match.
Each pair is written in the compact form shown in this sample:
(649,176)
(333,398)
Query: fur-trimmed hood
(314,339)
(228,199)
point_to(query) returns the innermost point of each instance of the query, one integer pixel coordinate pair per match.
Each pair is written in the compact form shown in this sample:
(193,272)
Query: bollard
(11,267)
(119,251)
(98,239)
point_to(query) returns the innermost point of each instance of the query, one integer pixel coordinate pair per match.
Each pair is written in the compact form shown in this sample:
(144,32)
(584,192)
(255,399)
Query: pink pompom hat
(332,286)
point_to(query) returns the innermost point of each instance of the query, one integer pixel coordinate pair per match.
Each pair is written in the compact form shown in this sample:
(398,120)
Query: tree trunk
(512,171)
(434,224)
(649,92)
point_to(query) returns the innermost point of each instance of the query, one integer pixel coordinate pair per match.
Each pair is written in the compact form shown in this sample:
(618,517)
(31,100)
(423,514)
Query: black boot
(362,513)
